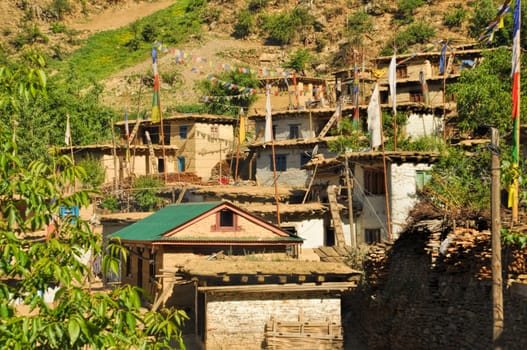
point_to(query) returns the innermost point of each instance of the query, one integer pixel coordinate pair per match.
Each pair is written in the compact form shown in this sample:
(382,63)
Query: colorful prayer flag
(156,106)
(241,129)
(374,118)
(515,72)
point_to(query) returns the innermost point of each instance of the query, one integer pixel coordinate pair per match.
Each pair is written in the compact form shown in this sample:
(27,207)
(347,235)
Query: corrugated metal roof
(154,226)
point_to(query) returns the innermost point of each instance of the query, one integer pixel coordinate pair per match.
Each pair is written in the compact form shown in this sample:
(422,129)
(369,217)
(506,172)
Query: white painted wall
(420,125)
(403,196)
(312,231)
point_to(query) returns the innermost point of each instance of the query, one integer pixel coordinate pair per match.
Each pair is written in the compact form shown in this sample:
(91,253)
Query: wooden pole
(350,203)
(114,153)
(386,192)
(497,280)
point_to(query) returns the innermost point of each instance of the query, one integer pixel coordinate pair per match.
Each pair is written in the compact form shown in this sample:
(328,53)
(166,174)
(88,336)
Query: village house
(188,149)
(380,204)
(216,261)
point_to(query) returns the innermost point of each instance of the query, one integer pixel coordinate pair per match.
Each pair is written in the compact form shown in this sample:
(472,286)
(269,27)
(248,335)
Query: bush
(405,10)
(284,28)
(256,5)
(417,33)
(455,17)
(145,193)
(245,25)
(110,202)
(95,173)
(359,23)
(299,60)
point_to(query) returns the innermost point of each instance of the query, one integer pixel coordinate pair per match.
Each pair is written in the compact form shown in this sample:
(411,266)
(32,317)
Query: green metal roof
(152,227)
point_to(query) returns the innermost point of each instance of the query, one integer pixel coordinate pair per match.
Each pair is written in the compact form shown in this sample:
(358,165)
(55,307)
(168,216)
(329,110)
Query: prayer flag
(374,118)
(356,98)
(442,58)
(516,50)
(268,117)
(156,110)
(126,127)
(393,82)
(67,134)
(424,87)
(241,130)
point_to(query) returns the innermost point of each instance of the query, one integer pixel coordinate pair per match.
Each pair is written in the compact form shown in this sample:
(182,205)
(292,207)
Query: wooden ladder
(335,215)
(134,131)
(331,120)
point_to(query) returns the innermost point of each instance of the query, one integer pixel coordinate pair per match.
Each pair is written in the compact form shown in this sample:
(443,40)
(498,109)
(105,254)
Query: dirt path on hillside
(126,13)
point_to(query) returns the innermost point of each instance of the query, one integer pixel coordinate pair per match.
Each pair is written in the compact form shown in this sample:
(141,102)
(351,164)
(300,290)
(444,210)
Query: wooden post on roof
(114,153)
(497,279)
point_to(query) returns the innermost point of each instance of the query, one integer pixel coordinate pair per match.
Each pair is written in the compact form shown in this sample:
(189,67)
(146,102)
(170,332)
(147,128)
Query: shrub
(299,60)
(417,33)
(405,10)
(256,5)
(95,173)
(244,25)
(149,33)
(359,23)
(145,192)
(110,202)
(284,28)
(455,17)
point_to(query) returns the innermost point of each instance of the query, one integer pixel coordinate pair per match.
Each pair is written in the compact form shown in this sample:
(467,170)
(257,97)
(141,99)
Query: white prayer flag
(67,135)
(393,82)
(268,134)
(374,118)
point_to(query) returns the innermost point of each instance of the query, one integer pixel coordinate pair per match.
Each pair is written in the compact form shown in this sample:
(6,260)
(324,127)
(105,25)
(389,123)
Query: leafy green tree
(358,24)
(95,173)
(484,11)
(30,201)
(455,16)
(299,60)
(483,94)
(461,181)
(417,33)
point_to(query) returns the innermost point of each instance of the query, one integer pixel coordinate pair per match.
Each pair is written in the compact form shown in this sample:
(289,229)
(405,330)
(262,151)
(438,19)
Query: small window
(417,96)
(304,158)
(128,265)
(280,161)
(183,129)
(402,71)
(181,164)
(274,132)
(226,218)
(422,177)
(293,131)
(372,236)
(214,131)
(160,165)
(374,181)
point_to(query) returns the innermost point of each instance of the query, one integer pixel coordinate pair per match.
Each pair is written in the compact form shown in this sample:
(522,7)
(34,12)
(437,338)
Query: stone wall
(237,320)
(420,303)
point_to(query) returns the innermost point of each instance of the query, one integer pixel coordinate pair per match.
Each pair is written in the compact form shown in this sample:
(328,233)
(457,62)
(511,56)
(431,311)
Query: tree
(299,60)
(483,94)
(30,200)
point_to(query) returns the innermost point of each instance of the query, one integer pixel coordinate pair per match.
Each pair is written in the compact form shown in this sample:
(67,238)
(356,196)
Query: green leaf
(73,331)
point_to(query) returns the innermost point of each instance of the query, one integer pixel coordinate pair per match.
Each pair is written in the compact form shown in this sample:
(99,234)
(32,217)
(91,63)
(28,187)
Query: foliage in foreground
(30,198)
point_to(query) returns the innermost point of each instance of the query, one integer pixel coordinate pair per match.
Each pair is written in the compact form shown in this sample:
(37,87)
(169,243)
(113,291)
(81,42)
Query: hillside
(122,89)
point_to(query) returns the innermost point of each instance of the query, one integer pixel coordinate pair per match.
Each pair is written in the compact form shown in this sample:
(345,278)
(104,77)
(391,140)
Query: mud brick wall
(237,320)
